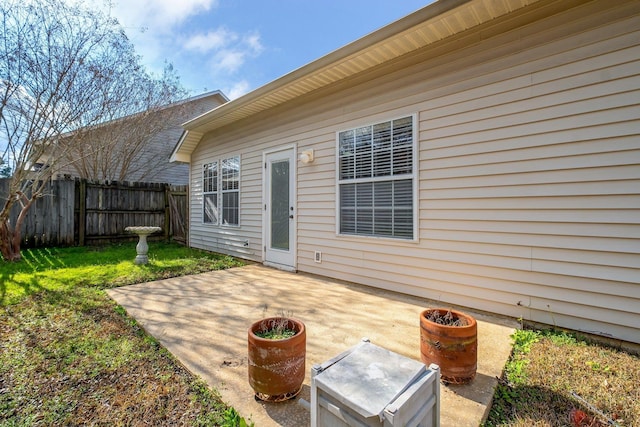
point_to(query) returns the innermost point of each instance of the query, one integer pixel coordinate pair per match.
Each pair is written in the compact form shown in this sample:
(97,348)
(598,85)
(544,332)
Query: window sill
(359,237)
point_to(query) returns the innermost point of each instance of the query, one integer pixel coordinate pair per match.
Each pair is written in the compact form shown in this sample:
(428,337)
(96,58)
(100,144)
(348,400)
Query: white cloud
(158,16)
(229,50)
(253,42)
(178,32)
(237,89)
(228,60)
(152,24)
(213,40)
(149,19)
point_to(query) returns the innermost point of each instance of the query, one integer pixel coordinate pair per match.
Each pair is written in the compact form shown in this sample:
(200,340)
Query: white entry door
(279,209)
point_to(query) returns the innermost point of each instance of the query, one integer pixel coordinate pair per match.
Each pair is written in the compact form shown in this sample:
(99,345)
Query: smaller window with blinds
(221,192)
(376,176)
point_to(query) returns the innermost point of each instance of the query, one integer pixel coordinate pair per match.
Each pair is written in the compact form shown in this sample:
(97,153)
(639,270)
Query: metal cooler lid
(369,378)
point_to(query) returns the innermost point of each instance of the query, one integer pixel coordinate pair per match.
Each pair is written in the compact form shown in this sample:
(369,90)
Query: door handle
(290,216)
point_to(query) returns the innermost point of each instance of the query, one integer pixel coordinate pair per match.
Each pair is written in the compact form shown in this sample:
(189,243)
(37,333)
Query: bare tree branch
(62,68)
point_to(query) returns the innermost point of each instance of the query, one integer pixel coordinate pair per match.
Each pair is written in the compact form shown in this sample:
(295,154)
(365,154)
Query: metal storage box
(371,386)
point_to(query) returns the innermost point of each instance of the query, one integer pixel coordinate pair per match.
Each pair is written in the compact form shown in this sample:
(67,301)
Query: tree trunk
(10,237)
(9,243)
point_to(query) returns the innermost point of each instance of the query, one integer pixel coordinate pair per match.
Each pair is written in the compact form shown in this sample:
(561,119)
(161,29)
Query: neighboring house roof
(222,99)
(421,29)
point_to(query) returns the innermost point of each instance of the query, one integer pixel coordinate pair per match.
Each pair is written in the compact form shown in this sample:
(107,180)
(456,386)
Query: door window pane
(280,205)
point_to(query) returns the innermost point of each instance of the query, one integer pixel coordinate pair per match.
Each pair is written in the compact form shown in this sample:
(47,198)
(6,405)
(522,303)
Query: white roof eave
(428,25)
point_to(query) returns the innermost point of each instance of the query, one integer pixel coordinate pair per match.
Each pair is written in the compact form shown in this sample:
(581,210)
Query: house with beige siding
(479,153)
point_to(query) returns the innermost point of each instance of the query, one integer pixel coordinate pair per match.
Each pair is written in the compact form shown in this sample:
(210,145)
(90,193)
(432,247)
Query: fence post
(167,214)
(82,211)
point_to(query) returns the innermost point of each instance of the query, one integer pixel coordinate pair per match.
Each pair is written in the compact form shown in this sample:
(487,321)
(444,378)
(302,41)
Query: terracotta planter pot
(453,348)
(277,366)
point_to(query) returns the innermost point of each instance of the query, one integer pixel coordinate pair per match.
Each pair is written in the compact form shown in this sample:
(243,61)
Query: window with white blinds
(221,192)
(375,180)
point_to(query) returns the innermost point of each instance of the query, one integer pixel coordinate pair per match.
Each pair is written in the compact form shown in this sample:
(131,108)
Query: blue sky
(239,45)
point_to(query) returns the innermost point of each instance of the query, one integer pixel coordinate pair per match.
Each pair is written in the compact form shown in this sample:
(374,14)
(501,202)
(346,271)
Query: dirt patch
(558,379)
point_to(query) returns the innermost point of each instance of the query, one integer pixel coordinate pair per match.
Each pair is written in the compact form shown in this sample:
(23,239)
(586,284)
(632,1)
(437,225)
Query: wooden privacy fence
(50,220)
(81,212)
(179,212)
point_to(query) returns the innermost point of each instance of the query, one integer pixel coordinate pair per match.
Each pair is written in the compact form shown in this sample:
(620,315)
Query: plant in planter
(449,338)
(277,354)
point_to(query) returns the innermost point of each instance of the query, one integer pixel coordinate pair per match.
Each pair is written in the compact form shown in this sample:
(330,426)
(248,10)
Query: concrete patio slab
(203,320)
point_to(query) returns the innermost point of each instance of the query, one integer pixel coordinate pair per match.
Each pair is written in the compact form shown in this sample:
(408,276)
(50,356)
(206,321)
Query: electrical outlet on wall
(317,256)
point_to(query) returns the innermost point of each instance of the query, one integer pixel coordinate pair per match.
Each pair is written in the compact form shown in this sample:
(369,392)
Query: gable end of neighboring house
(163,143)
(477,153)
(151,163)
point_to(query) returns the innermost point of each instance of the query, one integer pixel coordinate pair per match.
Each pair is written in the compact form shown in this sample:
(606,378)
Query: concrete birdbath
(142,248)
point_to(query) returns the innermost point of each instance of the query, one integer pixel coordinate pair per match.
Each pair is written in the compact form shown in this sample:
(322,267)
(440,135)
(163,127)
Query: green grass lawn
(69,355)
(63,269)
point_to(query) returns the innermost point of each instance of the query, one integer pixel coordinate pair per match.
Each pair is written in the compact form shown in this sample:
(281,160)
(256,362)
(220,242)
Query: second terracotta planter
(277,366)
(453,348)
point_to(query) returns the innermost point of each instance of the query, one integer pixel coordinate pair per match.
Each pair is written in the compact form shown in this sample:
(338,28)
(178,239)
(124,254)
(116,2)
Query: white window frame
(220,191)
(413,176)
(211,189)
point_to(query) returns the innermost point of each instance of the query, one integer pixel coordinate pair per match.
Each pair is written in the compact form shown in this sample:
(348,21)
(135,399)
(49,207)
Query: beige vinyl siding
(529,179)
(529,189)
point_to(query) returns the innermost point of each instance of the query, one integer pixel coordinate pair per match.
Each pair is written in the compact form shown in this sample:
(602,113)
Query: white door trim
(291,263)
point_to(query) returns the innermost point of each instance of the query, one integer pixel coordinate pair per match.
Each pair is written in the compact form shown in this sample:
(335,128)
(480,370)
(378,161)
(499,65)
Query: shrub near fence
(81,212)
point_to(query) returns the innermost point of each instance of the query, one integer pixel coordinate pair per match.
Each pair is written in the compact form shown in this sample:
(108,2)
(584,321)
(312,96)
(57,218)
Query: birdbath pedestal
(142,248)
